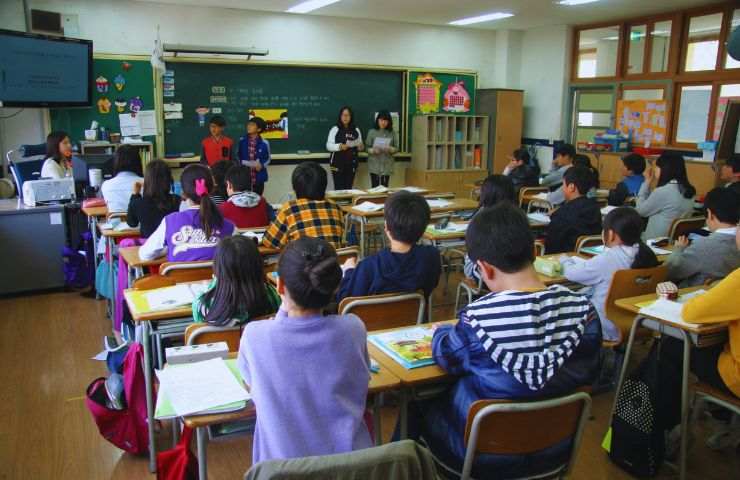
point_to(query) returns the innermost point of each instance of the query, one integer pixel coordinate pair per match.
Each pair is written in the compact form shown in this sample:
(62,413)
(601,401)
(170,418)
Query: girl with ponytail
(192,234)
(308,372)
(623,249)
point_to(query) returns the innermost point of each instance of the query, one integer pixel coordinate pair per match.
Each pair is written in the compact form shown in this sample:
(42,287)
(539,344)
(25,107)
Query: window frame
(673,46)
(575,53)
(713,104)
(712,10)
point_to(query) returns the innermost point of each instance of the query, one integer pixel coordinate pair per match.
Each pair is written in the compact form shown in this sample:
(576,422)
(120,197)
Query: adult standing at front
(382,143)
(344,142)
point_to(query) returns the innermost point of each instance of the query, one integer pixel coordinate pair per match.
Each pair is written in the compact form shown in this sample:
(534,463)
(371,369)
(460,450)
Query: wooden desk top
(632,304)
(456,204)
(408,377)
(547,280)
(109,232)
(436,235)
(157,315)
(95,211)
(131,256)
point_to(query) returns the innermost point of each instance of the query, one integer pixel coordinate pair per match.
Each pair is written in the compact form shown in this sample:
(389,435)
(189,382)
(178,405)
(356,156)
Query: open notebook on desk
(167,298)
(669,310)
(410,347)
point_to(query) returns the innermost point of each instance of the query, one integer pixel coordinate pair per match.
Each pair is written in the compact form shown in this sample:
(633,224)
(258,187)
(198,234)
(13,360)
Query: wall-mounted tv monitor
(44,71)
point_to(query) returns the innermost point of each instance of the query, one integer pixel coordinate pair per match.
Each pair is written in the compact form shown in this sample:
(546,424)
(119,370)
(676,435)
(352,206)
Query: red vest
(216,151)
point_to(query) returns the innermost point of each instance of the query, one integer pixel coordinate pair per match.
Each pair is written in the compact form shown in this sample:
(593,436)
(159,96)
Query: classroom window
(735,23)
(693,113)
(636,49)
(727,92)
(660,36)
(703,42)
(598,49)
(642,94)
(593,113)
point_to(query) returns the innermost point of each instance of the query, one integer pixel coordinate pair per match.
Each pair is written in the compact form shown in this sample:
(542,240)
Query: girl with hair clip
(624,249)
(192,234)
(672,198)
(308,372)
(238,292)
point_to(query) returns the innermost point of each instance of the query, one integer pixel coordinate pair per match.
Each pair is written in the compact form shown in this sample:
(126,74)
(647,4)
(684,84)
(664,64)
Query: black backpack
(646,408)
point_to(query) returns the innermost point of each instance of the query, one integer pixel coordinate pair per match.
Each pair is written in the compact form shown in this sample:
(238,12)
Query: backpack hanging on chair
(178,463)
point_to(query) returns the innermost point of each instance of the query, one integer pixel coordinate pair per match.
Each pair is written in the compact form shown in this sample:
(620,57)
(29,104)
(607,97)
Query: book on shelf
(410,347)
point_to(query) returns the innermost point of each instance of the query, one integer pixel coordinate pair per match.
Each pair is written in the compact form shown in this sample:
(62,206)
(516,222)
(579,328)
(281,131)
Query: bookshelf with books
(448,152)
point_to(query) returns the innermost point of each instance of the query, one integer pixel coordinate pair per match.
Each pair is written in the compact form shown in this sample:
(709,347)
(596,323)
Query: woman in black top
(344,142)
(157,201)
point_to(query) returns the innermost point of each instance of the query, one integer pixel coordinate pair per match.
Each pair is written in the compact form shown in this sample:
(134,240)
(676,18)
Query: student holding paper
(344,142)
(382,144)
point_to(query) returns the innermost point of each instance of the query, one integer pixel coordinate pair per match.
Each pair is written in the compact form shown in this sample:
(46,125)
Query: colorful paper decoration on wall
(135,105)
(276,122)
(126,66)
(119,82)
(427,93)
(644,119)
(120,104)
(104,105)
(456,98)
(202,112)
(101,84)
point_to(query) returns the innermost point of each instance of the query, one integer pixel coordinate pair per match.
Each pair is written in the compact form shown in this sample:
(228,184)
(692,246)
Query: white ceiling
(528,13)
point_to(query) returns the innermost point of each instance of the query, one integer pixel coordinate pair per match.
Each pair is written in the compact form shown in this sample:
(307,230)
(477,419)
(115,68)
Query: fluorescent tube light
(571,3)
(310,6)
(482,18)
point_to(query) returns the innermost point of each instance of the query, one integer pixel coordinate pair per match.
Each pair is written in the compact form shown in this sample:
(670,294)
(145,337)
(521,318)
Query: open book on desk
(410,347)
(669,310)
(369,207)
(166,298)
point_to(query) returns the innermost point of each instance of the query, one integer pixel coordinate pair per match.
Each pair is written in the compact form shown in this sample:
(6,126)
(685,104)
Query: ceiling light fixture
(482,18)
(310,6)
(571,3)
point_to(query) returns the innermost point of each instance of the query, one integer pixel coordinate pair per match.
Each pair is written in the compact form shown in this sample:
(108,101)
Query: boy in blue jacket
(254,152)
(404,267)
(522,341)
(632,167)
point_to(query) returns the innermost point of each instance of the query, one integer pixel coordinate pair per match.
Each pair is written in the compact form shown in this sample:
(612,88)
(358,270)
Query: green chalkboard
(139,82)
(312,97)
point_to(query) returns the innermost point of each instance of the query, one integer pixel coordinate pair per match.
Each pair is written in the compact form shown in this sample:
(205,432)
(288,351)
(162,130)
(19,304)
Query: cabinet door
(508,134)
(610,169)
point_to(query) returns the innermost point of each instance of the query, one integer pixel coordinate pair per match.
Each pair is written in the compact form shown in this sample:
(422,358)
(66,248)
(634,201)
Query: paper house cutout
(427,93)
(456,98)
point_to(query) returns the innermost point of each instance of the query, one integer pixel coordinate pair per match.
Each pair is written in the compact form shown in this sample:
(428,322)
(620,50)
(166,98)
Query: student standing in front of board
(254,152)
(672,198)
(382,143)
(503,346)
(308,372)
(127,169)
(191,234)
(58,163)
(344,142)
(217,146)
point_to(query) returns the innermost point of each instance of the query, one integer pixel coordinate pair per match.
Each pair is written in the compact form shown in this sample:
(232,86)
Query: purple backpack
(79,270)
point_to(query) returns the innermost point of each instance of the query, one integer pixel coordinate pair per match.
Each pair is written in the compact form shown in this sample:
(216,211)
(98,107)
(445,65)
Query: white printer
(48,190)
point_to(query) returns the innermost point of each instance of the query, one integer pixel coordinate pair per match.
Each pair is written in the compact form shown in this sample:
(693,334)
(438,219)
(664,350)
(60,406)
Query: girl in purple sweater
(308,373)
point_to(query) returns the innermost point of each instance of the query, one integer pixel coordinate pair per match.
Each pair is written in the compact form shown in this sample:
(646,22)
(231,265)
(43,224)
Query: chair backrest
(347,252)
(631,283)
(588,241)
(386,311)
(150,282)
(537,205)
(684,226)
(527,191)
(201,333)
(443,195)
(519,428)
(379,199)
(187,271)
(116,215)
(539,248)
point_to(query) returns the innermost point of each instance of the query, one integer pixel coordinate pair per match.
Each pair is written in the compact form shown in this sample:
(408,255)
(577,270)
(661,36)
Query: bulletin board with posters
(645,119)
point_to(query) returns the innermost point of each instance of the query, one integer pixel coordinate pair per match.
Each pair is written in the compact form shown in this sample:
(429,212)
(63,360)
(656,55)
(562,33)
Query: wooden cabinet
(505,109)
(702,177)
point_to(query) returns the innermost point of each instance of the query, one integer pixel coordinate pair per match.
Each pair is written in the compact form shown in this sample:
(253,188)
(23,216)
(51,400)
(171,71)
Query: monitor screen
(44,71)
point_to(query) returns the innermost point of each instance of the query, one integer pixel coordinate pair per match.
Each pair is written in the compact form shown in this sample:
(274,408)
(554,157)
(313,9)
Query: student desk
(93,216)
(110,236)
(560,278)
(382,381)
(691,335)
(410,378)
(444,239)
(456,205)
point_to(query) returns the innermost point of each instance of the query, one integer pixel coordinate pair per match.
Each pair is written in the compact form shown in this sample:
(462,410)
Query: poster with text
(276,122)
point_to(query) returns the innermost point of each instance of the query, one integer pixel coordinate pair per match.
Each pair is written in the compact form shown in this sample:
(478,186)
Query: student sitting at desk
(564,155)
(520,171)
(127,168)
(147,211)
(633,165)
(310,214)
(712,257)
(405,266)
(672,198)
(718,365)
(557,197)
(495,189)
(238,291)
(308,373)
(500,348)
(218,192)
(192,234)
(730,173)
(245,208)
(58,156)
(579,215)
(624,249)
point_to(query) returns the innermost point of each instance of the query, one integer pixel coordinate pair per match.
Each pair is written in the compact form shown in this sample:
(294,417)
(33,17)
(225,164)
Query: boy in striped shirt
(522,341)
